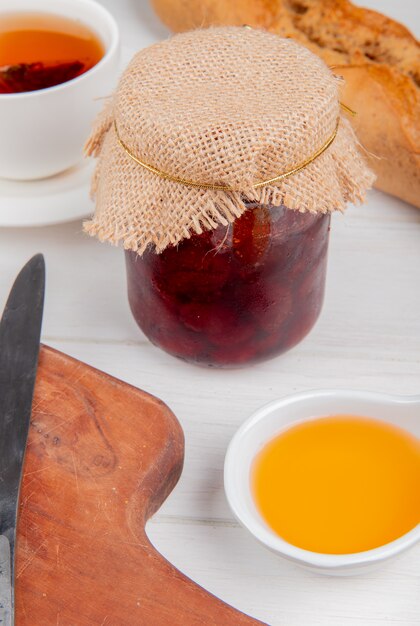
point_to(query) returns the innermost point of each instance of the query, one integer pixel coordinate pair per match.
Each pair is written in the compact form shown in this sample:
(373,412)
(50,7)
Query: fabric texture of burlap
(229,106)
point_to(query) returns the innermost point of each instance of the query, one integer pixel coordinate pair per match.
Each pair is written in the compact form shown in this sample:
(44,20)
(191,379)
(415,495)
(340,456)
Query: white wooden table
(368,337)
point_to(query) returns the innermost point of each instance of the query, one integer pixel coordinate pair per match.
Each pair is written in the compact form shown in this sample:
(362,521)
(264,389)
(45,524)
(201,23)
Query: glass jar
(235,295)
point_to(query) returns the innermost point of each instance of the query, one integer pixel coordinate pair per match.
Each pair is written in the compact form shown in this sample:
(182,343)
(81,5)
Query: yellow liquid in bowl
(339,485)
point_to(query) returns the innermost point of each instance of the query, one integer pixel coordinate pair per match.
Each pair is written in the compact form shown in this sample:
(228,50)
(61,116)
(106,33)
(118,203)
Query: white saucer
(61,198)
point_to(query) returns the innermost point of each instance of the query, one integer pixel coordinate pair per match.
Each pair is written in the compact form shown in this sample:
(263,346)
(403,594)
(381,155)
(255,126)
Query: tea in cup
(55,71)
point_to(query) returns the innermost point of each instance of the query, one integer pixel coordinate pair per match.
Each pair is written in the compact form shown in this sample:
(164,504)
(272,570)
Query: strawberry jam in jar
(235,295)
(220,158)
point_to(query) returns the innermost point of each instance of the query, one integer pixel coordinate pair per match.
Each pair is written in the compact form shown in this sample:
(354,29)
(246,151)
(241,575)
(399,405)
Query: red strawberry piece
(311,290)
(184,286)
(195,316)
(149,315)
(268,301)
(182,345)
(192,273)
(236,356)
(251,235)
(221,324)
(283,257)
(271,343)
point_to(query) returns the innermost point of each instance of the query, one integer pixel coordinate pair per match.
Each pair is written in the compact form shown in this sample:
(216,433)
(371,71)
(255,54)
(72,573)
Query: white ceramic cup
(277,416)
(43,132)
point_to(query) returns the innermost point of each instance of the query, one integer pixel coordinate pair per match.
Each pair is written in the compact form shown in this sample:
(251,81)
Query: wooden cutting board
(102,456)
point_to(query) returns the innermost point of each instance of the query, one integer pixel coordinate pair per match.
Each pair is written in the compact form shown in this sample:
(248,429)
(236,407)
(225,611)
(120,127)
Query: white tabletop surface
(368,337)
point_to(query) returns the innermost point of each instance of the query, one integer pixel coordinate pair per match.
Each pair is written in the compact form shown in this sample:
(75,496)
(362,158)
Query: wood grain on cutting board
(102,456)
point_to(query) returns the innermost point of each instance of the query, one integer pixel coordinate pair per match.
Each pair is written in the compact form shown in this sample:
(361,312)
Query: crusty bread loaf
(378,58)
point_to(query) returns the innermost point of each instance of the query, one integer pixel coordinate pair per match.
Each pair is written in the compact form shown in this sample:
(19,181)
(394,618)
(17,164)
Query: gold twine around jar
(215,187)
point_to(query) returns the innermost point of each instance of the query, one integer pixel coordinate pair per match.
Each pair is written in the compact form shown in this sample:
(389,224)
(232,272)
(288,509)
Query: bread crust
(378,58)
(385,124)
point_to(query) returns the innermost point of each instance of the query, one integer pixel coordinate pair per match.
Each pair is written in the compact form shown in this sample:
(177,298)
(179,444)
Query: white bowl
(267,422)
(43,132)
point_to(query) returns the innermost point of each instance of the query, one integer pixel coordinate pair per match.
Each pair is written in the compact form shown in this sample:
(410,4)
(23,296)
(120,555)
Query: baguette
(378,58)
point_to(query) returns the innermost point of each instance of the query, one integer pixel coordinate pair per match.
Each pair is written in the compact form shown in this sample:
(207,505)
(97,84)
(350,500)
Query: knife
(20,329)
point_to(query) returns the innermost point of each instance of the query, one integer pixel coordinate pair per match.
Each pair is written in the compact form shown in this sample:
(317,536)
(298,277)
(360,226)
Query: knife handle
(6,609)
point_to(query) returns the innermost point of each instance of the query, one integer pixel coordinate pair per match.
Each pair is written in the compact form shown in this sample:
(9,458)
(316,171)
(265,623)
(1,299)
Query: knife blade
(20,330)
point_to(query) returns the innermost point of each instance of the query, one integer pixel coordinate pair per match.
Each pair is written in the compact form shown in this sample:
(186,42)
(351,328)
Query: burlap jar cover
(206,121)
